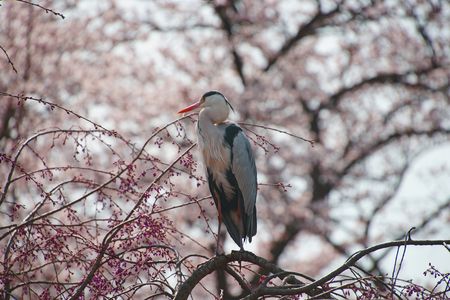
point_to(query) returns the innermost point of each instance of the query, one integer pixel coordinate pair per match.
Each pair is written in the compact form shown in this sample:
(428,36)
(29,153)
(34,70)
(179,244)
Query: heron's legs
(219,246)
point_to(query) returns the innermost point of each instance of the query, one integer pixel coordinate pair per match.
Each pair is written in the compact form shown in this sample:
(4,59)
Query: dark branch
(47,10)
(9,59)
(319,20)
(297,287)
(423,33)
(385,141)
(385,200)
(220,262)
(263,290)
(109,236)
(439,210)
(227,26)
(382,78)
(314,118)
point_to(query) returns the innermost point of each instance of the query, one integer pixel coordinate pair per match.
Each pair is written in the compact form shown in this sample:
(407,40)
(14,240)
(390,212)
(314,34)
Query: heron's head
(213,103)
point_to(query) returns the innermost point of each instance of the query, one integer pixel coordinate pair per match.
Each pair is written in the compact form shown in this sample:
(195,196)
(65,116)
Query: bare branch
(108,237)
(220,262)
(385,141)
(227,26)
(267,291)
(382,78)
(423,32)
(439,210)
(47,10)
(9,59)
(319,19)
(311,142)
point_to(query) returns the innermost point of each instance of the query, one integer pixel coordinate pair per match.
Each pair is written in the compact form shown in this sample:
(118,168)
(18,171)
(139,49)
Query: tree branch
(392,78)
(108,237)
(441,208)
(266,291)
(319,19)
(422,32)
(385,141)
(227,26)
(220,262)
(9,59)
(47,10)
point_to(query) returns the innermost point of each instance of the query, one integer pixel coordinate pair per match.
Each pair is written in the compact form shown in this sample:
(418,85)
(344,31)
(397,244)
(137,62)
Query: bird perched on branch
(230,167)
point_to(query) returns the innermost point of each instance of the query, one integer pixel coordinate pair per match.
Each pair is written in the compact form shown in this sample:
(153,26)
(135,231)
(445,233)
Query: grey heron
(230,167)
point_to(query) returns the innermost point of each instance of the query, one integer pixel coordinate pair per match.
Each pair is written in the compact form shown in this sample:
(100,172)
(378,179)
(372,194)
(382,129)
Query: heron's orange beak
(190,107)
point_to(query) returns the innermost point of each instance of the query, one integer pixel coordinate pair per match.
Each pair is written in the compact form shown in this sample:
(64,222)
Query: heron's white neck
(206,122)
(216,114)
(210,136)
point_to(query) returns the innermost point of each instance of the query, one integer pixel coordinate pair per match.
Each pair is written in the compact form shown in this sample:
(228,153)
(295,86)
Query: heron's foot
(240,250)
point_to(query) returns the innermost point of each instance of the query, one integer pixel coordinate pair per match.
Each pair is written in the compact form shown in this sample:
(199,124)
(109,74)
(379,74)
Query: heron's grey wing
(244,169)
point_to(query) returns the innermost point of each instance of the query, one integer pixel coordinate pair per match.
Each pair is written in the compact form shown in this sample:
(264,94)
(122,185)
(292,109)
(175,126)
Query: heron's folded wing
(244,169)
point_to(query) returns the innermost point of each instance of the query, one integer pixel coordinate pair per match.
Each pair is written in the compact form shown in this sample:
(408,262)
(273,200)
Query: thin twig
(311,142)
(9,59)
(47,10)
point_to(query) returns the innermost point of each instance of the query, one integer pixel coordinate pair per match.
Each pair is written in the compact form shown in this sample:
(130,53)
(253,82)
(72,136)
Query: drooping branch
(47,10)
(52,105)
(9,59)
(311,142)
(31,218)
(110,235)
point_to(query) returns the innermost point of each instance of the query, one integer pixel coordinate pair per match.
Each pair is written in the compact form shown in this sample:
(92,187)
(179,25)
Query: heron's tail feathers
(239,232)
(233,230)
(250,225)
